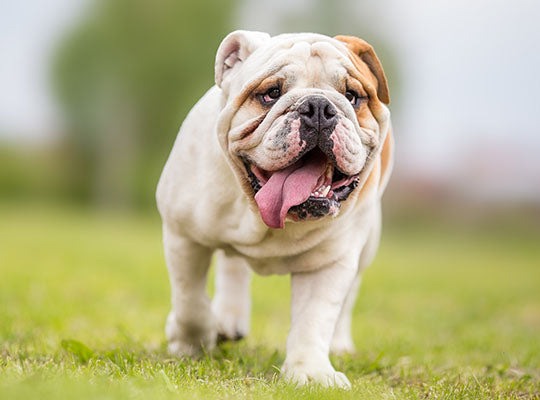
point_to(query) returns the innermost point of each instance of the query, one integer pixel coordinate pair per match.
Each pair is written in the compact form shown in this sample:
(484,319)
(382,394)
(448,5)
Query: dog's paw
(189,341)
(181,348)
(322,373)
(232,322)
(342,345)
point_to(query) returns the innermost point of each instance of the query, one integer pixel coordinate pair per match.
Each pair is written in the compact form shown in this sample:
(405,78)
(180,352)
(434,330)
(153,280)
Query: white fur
(205,208)
(232,303)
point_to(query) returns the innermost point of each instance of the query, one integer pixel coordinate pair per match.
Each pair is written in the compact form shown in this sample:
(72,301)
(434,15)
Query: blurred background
(93,93)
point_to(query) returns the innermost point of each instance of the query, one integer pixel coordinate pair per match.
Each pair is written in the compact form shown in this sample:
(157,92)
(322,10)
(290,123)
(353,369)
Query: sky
(472,67)
(29,31)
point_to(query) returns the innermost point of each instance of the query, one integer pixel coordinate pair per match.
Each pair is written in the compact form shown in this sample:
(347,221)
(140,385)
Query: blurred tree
(126,77)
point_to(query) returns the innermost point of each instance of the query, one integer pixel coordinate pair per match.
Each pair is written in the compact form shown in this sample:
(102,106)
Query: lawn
(443,313)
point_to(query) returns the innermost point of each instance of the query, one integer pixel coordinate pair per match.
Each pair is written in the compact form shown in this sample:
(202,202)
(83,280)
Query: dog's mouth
(309,188)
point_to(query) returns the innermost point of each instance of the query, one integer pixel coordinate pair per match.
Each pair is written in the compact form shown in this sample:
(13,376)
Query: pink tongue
(289,187)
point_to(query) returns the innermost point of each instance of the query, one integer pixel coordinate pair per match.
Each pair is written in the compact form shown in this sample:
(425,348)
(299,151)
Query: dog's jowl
(279,168)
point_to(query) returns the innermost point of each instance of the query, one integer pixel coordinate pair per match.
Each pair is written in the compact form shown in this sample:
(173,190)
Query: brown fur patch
(372,77)
(387,153)
(364,58)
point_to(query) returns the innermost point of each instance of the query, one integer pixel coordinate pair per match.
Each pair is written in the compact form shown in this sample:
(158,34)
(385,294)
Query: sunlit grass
(443,313)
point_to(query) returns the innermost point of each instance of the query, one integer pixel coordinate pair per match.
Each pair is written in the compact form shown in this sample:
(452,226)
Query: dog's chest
(283,254)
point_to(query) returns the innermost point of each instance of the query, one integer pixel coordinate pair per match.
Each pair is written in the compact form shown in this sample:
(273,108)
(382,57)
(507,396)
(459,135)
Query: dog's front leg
(316,301)
(232,302)
(190,326)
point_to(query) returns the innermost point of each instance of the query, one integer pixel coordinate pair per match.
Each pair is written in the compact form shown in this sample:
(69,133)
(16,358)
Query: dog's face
(303,117)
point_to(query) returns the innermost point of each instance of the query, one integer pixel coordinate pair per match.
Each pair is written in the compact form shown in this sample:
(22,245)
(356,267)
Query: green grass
(443,313)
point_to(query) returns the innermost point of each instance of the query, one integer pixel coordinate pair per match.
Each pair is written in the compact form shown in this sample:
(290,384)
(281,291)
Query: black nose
(318,113)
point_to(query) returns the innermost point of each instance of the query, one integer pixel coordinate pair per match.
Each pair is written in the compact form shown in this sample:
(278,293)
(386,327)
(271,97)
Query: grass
(443,313)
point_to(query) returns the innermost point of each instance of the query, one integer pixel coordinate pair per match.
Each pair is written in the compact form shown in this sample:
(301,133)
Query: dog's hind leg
(232,301)
(342,341)
(190,326)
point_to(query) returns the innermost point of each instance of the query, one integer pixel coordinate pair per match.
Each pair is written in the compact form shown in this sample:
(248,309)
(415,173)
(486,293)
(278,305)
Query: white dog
(279,168)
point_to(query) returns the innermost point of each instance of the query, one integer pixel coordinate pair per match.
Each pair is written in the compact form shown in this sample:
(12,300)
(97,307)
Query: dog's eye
(352,96)
(271,95)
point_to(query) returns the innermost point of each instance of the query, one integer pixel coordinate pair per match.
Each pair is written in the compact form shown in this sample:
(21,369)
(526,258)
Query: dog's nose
(317,112)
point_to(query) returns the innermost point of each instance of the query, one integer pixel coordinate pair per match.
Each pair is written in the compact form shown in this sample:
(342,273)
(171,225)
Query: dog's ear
(365,53)
(234,50)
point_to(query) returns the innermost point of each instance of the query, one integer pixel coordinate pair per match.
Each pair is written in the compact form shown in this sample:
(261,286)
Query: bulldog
(279,168)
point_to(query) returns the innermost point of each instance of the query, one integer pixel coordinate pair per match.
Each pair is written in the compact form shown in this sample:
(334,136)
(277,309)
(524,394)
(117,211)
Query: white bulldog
(279,168)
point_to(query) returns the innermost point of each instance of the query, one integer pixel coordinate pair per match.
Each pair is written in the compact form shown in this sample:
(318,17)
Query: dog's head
(304,116)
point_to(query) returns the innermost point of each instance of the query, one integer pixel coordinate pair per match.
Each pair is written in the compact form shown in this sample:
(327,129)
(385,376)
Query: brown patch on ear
(362,51)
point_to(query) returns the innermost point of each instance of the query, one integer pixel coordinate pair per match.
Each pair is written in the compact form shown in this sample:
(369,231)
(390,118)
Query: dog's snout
(318,113)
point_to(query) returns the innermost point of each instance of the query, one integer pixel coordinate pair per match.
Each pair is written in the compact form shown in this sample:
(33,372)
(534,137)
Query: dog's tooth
(325,191)
(329,171)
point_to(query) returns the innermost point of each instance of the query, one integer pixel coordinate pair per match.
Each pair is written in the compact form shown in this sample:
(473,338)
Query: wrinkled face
(303,130)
